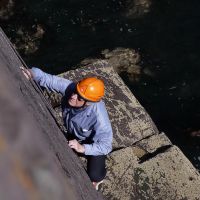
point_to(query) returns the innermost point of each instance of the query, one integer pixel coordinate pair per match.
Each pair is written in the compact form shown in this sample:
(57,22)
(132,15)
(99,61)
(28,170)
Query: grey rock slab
(154,142)
(168,175)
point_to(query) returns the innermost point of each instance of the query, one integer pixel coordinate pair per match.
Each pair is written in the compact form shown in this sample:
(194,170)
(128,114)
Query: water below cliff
(58,34)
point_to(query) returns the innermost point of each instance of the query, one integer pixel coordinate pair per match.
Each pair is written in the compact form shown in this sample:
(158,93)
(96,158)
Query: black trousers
(96,167)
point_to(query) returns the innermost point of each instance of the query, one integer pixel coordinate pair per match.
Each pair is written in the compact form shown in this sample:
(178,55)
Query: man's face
(75,100)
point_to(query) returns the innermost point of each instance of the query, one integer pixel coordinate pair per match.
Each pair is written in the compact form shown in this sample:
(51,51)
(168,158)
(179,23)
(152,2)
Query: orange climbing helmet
(91,89)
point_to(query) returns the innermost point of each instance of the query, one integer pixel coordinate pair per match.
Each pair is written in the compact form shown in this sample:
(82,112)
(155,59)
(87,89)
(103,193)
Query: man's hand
(74,144)
(27,73)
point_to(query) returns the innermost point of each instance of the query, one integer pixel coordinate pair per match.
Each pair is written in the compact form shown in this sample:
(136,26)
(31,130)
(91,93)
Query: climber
(85,117)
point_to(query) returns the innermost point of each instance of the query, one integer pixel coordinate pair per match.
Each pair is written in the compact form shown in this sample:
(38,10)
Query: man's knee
(97,175)
(96,168)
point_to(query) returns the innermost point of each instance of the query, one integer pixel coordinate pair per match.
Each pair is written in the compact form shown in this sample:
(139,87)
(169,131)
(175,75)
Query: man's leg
(96,168)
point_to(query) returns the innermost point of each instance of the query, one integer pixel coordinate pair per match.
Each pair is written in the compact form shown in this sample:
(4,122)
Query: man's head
(87,90)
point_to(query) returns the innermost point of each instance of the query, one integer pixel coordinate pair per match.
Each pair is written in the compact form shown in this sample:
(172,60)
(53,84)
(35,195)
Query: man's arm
(102,146)
(51,82)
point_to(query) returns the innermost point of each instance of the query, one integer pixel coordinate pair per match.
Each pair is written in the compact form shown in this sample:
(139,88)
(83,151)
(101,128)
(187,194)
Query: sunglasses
(79,97)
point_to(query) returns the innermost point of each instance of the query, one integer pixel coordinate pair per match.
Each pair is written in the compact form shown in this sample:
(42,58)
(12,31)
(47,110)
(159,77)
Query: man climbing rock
(85,117)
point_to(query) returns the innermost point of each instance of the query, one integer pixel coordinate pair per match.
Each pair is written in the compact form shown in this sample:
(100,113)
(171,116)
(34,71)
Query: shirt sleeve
(51,82)
(103,135)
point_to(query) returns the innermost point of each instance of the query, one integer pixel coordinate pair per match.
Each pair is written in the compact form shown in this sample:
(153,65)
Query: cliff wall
(35,161)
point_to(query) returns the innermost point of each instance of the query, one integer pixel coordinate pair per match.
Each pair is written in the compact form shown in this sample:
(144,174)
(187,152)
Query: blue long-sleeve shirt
(90,123)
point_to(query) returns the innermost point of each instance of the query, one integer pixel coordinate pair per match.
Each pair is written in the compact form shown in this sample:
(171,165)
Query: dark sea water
(167,37)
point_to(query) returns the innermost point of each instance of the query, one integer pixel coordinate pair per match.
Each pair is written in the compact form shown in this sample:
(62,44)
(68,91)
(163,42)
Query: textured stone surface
(168,175)
(154,142)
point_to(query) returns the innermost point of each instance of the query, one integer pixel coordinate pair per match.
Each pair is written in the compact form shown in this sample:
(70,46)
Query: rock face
(144,164)
(167,175)
(35,161)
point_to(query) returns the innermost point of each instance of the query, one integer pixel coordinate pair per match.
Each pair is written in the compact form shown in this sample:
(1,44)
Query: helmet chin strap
(86,103)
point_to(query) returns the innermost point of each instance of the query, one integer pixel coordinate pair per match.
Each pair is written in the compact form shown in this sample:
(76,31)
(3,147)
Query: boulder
(168,175)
